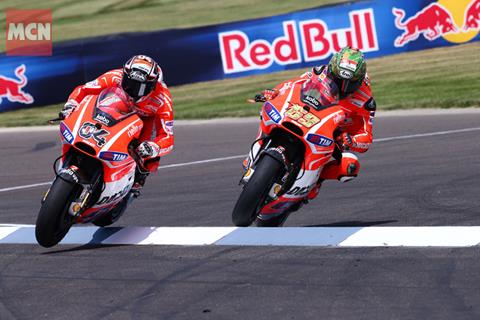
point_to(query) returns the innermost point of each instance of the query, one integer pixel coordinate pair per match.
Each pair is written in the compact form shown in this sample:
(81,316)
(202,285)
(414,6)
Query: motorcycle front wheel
(255,192)
(54,221)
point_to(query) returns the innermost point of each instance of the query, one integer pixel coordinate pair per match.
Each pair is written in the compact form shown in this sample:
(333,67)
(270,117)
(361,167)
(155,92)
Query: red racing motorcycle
(295,146)
(96,169)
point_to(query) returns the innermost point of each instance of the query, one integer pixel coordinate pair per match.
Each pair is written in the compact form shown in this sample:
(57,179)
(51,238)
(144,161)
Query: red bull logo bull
(12,88)
(452,20)
(472,16)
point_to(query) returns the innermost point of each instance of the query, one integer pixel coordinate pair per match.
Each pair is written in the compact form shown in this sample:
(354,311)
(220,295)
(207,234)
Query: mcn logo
(307,40)
(457,21)
(28,32)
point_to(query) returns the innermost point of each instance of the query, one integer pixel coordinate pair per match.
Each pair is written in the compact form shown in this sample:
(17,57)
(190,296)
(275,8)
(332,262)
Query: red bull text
(310,40)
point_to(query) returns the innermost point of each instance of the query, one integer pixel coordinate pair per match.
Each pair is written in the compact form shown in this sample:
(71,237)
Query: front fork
(71,173)
(261,148)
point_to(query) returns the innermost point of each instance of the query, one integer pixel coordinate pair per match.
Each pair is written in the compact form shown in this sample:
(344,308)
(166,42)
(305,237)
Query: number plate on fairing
(302,116)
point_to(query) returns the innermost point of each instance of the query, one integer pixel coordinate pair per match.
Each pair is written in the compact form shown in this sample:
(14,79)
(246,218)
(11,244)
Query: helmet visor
(137,89)
(346,86)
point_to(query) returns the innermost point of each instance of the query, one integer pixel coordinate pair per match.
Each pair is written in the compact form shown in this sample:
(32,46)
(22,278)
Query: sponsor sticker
(92,84)
(285,87)
(348,64)
(138,76)
(169,127)
(272,112)
(296,41)
(66,133)
(101,118)
(345,74)
(114,197)
(113,156)
(133,130)
(319,140)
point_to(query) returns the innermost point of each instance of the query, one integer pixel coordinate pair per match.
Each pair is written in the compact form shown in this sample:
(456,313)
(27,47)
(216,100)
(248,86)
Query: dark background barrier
(288,41)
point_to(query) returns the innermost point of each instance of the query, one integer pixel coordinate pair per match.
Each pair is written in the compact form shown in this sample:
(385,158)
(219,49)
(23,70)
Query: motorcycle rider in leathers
(142,80)
(347,68)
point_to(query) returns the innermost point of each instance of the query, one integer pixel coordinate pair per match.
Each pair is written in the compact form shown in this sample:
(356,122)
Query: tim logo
(12,88)
(29,32)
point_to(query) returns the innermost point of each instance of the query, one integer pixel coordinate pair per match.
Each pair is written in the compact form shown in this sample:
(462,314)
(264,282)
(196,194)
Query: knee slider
(350,167)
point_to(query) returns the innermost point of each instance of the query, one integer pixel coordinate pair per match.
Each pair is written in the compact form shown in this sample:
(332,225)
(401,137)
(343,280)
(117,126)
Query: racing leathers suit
(356,128)
(157,128)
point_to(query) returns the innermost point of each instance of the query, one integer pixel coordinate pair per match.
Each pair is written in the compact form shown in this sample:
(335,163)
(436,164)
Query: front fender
(277,153)
(73,174)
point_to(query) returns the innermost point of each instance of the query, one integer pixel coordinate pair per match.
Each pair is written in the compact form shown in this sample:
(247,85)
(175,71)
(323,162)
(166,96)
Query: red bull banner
(290,41)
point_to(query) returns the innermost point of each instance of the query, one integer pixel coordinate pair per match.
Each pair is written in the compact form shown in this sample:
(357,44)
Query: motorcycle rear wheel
(54,221)
(255,192)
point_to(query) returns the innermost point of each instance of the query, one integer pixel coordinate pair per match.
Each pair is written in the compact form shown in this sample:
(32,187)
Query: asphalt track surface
(417,181)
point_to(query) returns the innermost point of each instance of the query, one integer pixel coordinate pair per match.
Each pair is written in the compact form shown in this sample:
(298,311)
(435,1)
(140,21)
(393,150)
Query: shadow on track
(87,246)
(96,242)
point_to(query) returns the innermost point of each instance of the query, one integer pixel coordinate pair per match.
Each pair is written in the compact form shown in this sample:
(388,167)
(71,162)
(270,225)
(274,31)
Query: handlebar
(53,121)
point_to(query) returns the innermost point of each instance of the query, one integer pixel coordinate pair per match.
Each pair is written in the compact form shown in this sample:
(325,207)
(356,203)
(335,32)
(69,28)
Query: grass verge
(436,78)
(74,19)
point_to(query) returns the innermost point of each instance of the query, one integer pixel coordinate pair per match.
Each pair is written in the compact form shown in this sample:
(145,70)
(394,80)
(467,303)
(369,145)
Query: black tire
(254,193)
(54,221)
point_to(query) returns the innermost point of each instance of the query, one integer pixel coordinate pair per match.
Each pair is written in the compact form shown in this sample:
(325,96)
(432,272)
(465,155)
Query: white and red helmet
(140,76)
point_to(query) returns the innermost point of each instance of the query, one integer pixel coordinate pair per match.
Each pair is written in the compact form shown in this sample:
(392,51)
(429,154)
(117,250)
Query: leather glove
(68,108)
(148,149)
(266,95)
(345,141)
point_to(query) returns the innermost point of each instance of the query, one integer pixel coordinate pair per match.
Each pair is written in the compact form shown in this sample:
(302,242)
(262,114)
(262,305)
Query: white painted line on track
(26,186)
(442,236)
(411,136)
(162,167)
(201,161)
(428,134)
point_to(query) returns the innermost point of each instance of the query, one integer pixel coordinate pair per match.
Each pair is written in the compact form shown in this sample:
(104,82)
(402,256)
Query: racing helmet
(348,69)
(140,76)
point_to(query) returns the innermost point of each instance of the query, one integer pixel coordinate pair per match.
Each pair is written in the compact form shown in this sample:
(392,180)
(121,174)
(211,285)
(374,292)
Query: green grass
(437,78)
(74,19)
(444,77)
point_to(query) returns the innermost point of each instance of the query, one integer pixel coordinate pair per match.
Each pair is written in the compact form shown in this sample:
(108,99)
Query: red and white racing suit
(157,128)
(359,108)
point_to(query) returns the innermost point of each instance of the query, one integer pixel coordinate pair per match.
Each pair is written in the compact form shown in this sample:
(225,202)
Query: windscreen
(320,92)
(114,102)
